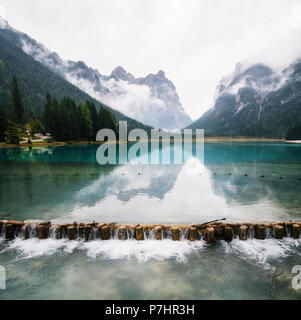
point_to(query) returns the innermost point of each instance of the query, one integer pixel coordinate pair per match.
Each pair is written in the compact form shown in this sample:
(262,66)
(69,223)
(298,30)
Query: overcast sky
(195,42)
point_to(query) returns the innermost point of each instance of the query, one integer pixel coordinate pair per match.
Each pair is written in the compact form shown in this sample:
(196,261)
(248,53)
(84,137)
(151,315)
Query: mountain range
(152,100)
(36,81)
(255,101)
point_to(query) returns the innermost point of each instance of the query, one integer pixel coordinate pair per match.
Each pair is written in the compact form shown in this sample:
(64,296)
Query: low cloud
(195,42)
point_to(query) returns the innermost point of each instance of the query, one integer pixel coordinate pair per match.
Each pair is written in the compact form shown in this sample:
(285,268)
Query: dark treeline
(66,120)
(294,133)
(12,116)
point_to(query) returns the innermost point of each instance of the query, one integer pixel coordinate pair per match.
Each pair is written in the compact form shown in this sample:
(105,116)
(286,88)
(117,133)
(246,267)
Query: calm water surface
(239,181)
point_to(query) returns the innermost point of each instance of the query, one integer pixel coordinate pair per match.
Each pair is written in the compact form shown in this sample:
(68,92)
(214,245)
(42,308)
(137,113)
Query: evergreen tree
(3,125)
(11,133)
(94,118)
(68,121)
(10,112)
(56,120)
(74,118)
(294,133)
(87,125)
(48,114)
(18,108)
(106,120)
(63,122)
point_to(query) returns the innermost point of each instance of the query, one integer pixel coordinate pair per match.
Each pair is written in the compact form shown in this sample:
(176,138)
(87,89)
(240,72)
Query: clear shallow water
(43,269)
(66,184)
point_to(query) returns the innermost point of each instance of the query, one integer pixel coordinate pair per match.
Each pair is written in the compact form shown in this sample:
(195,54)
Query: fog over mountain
(195,42)
(152,100)
(255,101)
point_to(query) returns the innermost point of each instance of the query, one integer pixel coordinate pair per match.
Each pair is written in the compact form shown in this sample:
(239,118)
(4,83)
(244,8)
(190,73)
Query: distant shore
(213,139)
(241,139)
(47,144)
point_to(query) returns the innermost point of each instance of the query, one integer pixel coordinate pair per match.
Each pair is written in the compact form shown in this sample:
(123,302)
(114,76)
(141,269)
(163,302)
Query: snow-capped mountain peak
(4,24)
(258,77)
(152,100)
(120,73)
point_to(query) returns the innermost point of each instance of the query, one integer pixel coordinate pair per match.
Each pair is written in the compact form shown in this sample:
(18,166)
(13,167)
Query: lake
(239,181)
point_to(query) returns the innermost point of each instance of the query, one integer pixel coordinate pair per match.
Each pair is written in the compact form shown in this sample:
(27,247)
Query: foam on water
(262,252)
(34,248)
(106,250)
(143,250)
(257,252)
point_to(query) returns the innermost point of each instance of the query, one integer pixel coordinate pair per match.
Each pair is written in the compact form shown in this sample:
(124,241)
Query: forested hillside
(35,81)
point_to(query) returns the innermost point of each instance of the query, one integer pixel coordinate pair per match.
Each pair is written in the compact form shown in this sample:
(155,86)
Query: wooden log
(295,233)
(63,230)
(105,233)
(9,231)
(218,231)
(279,232)
(26,231)
(139,234)
(122,233)
(42,231)
(158,232)
(71,232)
(87,231)
(243,232)
(210,235)
(175,233)
(192,234)
(92,231)
(58,232)
(260,232)
(81,229)
(228,233)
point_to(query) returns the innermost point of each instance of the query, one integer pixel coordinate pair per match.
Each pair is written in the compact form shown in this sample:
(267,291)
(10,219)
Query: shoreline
(213,139)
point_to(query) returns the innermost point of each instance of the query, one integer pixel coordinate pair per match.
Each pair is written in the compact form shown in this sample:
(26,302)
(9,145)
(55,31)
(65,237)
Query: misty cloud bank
(152,100)
(196,42)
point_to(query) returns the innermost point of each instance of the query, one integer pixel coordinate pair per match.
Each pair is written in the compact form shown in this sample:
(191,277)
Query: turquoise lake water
(243,182)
